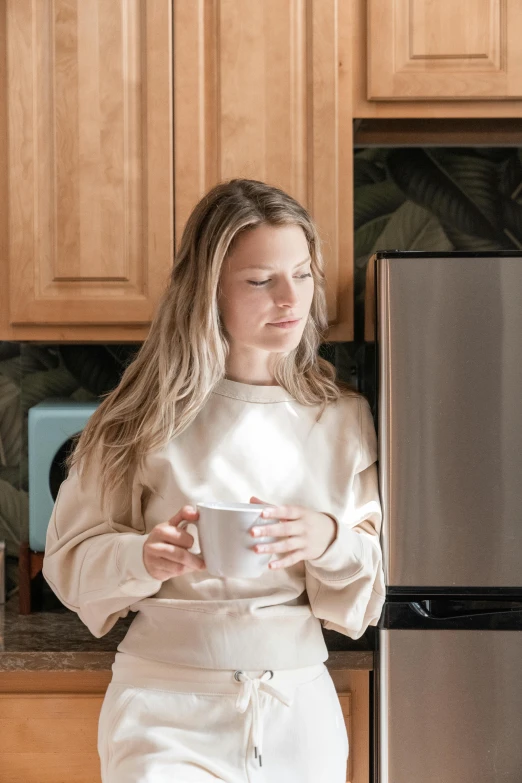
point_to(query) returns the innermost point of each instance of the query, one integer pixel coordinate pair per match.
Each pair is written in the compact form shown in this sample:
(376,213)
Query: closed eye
(264,282)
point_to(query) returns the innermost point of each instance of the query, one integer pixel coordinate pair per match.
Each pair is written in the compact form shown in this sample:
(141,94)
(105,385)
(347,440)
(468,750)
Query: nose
(285,294)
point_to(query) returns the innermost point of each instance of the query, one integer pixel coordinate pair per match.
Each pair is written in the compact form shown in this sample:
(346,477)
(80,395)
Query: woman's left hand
(304,533)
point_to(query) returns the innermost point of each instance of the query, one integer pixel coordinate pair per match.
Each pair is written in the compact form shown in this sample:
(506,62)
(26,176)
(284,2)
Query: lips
(285,324)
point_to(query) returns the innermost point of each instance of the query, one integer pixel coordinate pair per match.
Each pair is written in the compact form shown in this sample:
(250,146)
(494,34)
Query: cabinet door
(353,691)
(89,158)
(444,50)
(48,738)
(263,90)
(345,700)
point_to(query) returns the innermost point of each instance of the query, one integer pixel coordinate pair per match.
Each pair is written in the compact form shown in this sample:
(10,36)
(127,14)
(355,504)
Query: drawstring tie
(249,694)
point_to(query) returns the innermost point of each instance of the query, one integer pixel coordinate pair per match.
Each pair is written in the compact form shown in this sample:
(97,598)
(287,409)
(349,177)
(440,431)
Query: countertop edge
(102,661)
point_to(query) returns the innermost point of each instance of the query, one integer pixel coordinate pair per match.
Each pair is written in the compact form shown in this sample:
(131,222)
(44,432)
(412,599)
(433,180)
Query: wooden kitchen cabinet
(121,115)
(49,724)
(88,163)
(437,58)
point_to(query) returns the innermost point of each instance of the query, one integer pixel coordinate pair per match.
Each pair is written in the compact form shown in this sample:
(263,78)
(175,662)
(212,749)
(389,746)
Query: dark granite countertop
(54,638)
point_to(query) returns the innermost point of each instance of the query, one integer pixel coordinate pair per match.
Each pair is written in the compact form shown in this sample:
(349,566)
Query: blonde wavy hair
(183,357)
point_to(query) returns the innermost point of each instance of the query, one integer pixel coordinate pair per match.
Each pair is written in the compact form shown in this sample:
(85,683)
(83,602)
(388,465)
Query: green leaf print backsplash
(436,198)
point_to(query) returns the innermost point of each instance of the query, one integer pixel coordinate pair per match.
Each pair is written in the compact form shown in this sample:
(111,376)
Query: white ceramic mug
(225,541)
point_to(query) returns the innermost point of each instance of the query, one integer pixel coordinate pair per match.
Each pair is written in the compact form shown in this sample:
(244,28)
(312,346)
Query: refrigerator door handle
(417,607)
(423,608)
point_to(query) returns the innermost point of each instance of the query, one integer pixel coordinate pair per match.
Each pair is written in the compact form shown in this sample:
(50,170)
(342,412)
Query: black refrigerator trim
(478,593)
(416,616)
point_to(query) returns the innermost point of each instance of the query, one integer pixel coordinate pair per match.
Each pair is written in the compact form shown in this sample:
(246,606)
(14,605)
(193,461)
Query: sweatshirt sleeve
(95,564)
(346,584)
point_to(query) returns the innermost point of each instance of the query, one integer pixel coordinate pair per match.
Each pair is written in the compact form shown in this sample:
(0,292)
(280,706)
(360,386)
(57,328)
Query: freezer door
(449,707)
(450,420)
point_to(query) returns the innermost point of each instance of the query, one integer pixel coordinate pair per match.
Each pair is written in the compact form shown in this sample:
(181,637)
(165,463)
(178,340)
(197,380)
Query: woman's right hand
(165,552)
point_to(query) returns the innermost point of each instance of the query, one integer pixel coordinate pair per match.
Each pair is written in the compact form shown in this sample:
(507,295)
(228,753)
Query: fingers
(282,512)
(170,553)
(278,530)
(288,545)
(188,513)
(166,554)
(170,535)
(286,562)
(173,536)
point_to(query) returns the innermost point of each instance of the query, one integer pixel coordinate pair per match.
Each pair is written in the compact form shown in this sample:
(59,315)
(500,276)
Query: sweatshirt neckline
(250,392)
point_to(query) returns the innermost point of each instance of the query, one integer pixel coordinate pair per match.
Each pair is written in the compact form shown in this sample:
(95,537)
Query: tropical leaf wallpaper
(434,198)
(408,198)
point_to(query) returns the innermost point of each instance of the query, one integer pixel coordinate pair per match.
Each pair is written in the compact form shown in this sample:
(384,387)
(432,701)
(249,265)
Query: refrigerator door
(449,706)
(450,420)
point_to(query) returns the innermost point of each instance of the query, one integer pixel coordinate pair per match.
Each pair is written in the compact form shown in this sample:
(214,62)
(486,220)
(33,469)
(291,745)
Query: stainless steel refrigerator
(448,679)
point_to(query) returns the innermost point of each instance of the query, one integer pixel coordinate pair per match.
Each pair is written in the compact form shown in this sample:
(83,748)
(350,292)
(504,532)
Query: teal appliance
(52,424)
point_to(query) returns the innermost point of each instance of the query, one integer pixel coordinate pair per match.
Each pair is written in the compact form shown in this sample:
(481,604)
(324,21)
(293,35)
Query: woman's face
(266,278)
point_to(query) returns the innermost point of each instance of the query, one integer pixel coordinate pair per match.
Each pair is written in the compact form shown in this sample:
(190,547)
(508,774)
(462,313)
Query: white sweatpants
(161,723)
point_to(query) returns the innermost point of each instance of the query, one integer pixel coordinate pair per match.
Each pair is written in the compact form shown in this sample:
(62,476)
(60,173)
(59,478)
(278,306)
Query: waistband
(142,672)
(246,685)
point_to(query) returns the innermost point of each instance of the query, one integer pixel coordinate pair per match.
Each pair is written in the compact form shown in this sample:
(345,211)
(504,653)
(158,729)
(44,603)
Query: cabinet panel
(263,91)
(39,708)
(345,700)
(89,160)
(49,737)
(441,50)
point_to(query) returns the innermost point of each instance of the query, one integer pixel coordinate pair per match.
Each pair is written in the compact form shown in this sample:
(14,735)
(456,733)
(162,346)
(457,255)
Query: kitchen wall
(408,198)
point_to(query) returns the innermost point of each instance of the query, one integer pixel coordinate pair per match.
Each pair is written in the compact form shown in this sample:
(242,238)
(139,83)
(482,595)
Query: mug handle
(182,525)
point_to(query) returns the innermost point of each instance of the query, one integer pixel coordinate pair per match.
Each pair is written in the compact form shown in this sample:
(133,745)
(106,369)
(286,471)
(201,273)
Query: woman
(225,402)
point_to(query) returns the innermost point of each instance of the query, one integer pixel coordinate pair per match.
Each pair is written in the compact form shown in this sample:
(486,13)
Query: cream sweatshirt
(247,440)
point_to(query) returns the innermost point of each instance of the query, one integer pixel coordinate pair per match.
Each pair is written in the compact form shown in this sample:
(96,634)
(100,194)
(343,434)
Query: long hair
(183,357)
